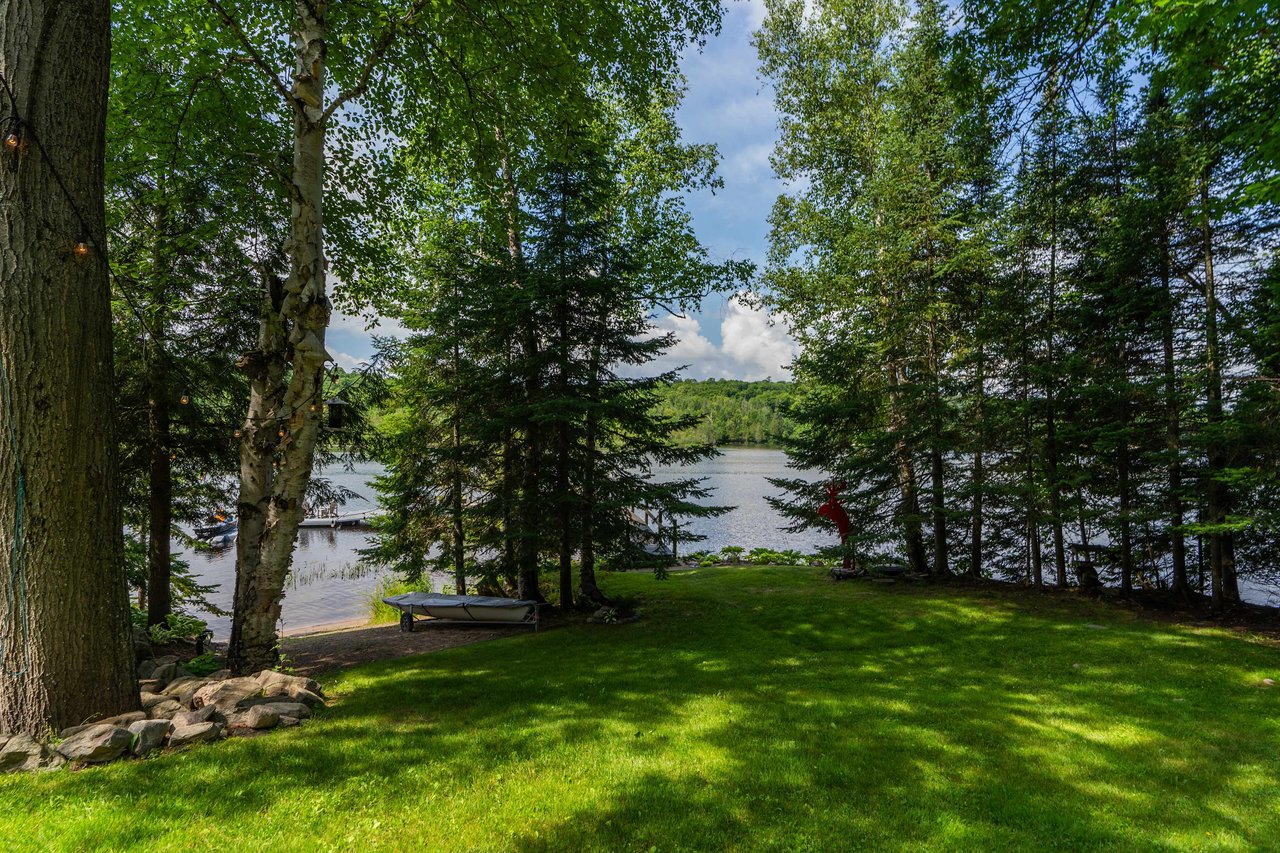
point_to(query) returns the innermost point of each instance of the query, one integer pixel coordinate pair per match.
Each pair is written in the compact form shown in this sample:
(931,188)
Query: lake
(328,585)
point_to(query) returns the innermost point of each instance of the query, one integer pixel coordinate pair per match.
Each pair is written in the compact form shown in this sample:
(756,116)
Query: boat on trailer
(418,607)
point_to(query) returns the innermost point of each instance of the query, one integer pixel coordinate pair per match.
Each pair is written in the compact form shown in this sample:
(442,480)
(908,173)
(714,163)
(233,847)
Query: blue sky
(727,104)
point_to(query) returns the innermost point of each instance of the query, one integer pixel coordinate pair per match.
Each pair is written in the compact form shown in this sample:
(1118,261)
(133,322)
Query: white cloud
(754,346)
(357,325)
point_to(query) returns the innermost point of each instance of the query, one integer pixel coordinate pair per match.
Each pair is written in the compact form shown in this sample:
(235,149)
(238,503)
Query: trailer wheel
(406,622)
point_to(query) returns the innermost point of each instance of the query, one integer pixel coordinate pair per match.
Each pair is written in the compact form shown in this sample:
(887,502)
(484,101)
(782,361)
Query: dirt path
(319,653)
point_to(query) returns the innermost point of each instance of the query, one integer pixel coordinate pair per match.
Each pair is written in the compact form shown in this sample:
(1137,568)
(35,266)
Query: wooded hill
(730,411)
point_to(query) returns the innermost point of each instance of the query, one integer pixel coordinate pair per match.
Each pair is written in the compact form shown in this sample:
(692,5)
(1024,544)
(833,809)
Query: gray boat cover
(439,599)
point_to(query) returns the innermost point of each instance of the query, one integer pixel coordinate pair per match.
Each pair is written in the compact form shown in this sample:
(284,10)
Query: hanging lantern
(236,433)
(82,247)
(337,412)
(184,399)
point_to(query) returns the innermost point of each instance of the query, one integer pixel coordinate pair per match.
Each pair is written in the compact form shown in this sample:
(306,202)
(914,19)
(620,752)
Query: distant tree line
(1032,273)
(729,411)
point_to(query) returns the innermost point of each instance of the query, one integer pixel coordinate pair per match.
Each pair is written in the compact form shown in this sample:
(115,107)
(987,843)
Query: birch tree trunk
(274,495)
(65,650)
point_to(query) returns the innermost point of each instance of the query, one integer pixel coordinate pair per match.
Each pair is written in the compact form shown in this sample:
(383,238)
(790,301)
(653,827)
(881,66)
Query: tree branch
(254,56)
(380,48)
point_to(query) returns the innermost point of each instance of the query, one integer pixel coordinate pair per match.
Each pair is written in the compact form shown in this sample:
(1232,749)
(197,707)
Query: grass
(753,709)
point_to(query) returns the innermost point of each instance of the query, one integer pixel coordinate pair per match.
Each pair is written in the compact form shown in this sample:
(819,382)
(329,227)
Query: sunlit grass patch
(751,709)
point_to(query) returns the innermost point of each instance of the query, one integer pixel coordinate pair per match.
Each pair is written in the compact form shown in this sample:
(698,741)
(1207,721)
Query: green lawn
(753,709)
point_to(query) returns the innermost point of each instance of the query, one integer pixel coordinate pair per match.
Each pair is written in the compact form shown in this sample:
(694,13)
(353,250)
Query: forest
(729,411)
(1025,255)
(1034,282)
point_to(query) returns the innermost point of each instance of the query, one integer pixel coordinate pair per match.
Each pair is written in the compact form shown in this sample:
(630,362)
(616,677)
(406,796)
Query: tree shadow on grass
(766,713)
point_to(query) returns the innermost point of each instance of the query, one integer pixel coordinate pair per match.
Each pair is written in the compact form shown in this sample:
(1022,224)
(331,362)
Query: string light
(82,248)
(280,433)
(236,433)
(184,399)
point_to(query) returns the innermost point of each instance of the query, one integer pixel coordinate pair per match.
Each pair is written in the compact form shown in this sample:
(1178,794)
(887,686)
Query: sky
(726,104)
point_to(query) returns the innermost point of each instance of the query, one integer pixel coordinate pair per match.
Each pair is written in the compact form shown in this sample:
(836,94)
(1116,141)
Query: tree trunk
(1219,552)
(1173,429)
(587,554)
(563,452)
(909,502)
(979,473)
(159,481)
(304,316)
(66,654)
(160,465)
(1051,425)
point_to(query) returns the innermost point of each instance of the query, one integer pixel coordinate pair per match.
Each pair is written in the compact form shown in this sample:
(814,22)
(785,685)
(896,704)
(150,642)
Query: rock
(148,735)
(149,685)
(306,697)
(278,683)
(288,709)
(147,669)
(220,675)
(150,700)
(23,752)
(69,731)
(165,673)
(126,719)
(257,717)
(285,722)
(165,710)
(174,686)
(1269,682)
(4,738)
(96,744)
(194,733)
(207,714)
(141,644)
(225,695)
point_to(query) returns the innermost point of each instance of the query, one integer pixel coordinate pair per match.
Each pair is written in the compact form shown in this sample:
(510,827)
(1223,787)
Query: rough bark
(65,649)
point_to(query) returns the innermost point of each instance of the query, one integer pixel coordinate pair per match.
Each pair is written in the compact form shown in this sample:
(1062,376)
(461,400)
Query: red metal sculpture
(834,511)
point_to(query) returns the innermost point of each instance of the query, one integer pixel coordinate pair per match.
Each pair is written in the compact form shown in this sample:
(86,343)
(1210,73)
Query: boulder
(225,695)
(278,683)
(96,744)
(141,644)
(257,717)
(287,709)
(194,733)
(126,719)
(74,730)
(150,700)
(165,673)
(306,697)
(175,686)
(148,735)
(149,685)
(285,722)
(23,752)
(165,710)
(147,669)
(220,675)
(207,714)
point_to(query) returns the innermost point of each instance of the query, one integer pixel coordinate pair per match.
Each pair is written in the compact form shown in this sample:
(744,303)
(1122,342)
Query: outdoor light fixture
(82,248)
(184,399)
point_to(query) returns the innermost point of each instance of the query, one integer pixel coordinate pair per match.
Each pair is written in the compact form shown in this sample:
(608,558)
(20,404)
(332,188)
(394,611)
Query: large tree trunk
(1051,426)
(66,654)
(564,447)
(304,313)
